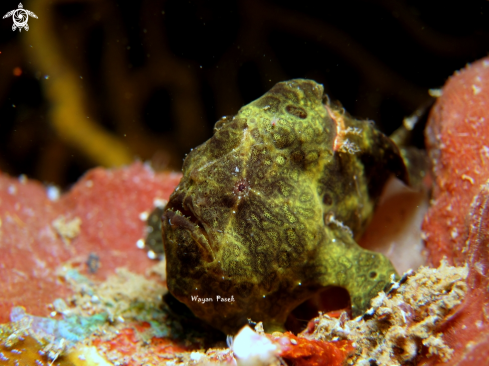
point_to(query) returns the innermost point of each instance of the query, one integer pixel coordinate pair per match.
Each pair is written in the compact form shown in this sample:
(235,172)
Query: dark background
(102,82)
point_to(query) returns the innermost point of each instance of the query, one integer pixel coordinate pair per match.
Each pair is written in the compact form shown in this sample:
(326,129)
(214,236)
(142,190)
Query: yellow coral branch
(68,113)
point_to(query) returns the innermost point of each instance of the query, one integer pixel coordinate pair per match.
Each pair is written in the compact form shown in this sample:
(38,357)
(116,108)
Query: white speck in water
(436,93)
(143,216)
(140,243)
(151,254)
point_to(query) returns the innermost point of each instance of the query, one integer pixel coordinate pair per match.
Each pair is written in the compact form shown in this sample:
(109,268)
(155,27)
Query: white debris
(151,254)
(159,202)
(196,356)
(53,193)
(252,349)
(436,93)
(140,243)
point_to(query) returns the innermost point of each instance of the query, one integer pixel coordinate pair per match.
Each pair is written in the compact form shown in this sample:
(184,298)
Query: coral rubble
(404,323)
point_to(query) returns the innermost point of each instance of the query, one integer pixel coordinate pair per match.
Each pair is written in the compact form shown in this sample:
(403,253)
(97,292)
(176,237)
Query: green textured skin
(269,208)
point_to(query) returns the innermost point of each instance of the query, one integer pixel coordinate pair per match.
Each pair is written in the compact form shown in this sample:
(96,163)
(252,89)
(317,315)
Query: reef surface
(457,224)
(93,229)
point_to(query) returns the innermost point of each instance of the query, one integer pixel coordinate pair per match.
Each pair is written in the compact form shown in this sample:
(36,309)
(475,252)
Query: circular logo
(20,18)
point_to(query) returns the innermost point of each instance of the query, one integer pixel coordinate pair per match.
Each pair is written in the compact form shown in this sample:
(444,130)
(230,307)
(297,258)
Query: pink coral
(106,202)
(457,224)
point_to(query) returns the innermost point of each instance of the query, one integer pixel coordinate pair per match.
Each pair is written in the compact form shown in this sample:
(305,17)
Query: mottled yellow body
(268,210)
